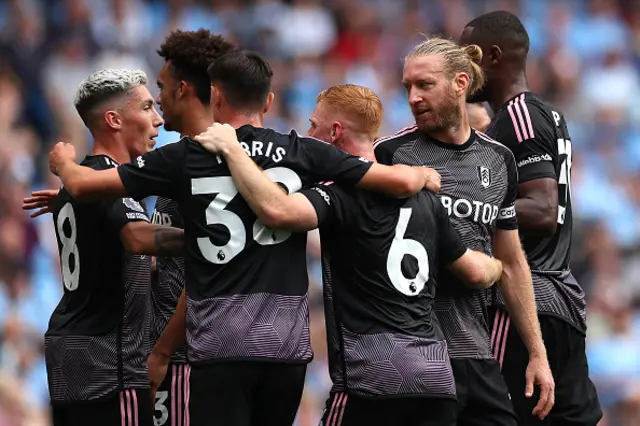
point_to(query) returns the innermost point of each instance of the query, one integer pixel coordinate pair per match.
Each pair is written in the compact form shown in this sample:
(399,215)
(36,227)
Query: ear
(495,55)
(216,97)
(337,131)
(113,119)
(461,83)
(183,87)
(267,105)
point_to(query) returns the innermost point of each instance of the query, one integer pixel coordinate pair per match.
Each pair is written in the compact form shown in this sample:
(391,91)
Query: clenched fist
(61,153)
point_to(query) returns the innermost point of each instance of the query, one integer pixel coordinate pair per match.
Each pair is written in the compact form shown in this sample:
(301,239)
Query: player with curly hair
(184,102)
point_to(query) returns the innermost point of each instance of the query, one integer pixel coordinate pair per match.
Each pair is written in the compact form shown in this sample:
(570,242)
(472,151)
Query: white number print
(215,214)
(69,247)
(161,397)
(266,236)
(401,247)
(564,148)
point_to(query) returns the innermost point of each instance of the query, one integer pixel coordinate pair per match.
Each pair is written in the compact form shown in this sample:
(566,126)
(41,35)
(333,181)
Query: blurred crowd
(585,58)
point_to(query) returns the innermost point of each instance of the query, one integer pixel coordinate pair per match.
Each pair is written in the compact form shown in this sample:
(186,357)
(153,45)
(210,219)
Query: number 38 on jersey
(218,214)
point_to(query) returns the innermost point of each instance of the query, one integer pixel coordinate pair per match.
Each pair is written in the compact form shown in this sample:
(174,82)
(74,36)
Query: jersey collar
(244,131)
(445,145)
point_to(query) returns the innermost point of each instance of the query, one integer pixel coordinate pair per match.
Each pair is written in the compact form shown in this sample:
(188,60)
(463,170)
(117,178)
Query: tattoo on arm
(169,241)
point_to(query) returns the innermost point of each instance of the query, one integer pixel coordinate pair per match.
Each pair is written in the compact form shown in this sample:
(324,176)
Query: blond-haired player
(387,356)
(479,190)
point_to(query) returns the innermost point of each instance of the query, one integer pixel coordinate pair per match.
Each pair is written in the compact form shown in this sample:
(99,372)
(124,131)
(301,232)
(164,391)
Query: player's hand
(41,200)
(432,179)
(539,373)
(217,138)
(61,153)
(158,365)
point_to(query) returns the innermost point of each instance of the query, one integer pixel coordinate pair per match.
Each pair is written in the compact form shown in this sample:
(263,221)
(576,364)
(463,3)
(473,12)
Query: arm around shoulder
(400,180)
(476,269)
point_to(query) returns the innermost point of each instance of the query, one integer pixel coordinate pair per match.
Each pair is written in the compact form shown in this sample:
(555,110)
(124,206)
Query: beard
(447,115)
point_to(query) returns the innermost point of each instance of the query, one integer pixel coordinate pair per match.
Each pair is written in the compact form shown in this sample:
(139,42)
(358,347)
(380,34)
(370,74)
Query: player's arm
(86,184)
(475,269)
(537,207)
(268,201)
(173,337)
(157,240)
(515,284)
(517,288)
(328,163)
(533,143)
(153,173)
(400,180)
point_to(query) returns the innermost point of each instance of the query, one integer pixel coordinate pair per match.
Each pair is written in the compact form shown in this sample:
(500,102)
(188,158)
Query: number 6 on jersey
(401,247)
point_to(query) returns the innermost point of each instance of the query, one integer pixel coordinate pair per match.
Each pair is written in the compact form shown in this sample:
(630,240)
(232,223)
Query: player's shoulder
(487,142)
(527,115)
(396,140)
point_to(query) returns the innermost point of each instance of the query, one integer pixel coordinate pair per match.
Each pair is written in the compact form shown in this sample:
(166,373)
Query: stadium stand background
(585,58)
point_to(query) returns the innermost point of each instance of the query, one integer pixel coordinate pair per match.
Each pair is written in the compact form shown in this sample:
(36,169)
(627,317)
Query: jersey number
(161,397)
(216,214)
(564,148)
(69,247)
(401,247)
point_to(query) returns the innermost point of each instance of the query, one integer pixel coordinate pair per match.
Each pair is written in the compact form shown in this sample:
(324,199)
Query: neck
(239,119)
(360,146)
(112,146)
(510,87)
(196,121)
(456,135)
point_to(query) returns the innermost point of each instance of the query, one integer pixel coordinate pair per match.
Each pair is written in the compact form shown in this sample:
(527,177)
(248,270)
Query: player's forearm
(168,241)
(86,184)
(534,216)
(477,270)
(266,199)
(517,288)
(492,271)
(174,334)
(399,180)
(156,240)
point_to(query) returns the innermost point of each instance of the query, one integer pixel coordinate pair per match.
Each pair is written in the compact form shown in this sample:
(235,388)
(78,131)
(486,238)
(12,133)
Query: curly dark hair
(191,53)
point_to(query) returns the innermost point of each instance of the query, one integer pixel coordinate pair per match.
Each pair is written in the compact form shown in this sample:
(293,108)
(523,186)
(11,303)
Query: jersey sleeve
(531,137)
(327,163)
(122,211)
(155,173)
(333,204)
(507,213)
(450,245)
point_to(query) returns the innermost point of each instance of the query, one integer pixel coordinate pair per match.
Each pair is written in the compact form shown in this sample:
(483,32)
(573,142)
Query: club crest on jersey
(484,174)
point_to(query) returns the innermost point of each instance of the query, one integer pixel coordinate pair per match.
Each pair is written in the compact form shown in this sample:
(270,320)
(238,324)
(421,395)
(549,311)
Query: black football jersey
(478,191)
(537,134)
(168,284)
(246,284)
(97,341)
(381,257)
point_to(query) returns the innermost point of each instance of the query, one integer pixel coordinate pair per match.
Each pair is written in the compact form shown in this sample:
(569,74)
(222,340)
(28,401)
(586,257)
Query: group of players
(417,333)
